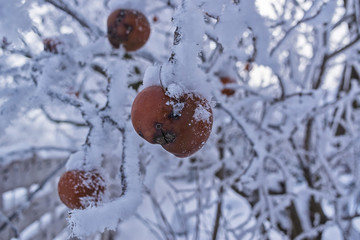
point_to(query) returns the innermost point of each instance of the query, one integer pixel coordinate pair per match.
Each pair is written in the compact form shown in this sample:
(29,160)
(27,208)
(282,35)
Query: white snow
(202,114)
(259,132)
(15,18)
(96,219)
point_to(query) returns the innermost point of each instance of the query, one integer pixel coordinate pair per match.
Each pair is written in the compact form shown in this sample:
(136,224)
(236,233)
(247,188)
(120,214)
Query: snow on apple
(202,114)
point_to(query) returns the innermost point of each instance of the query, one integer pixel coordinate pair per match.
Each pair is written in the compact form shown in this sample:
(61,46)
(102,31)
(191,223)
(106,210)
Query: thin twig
(159,211)
(31,196)
(77,16)
(77,124)
(218,215)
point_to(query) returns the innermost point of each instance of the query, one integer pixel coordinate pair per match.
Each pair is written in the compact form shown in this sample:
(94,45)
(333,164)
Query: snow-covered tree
(277,81)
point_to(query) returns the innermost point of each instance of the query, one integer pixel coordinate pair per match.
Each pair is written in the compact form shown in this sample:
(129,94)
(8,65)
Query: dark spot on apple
(159,139)
(169,137)
(164,138)
(174,116)
(129,28)
(120,16)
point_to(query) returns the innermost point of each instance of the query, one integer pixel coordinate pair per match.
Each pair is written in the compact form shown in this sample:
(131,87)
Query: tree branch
(77,16)
(58,121)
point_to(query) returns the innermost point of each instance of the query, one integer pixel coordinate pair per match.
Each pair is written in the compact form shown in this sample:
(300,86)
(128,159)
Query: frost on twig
(282,78)
(83,223)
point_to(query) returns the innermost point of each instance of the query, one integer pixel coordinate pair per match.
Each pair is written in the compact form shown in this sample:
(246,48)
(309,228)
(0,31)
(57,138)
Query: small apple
(227,91)
(155,19)
(52,45)
(180,125)
(129,28)
(79,189)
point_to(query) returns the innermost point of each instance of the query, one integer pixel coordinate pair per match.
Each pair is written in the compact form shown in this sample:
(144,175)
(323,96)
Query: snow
(264,136)
(356,223)
(227,36)
(202,114)
(177,107)
(76,161)
(332,233)
(152,76)
(175,90)
(119,99)
(19,19)
(185,71)
(127,4)
(96,219)
(13,106)
(214,7)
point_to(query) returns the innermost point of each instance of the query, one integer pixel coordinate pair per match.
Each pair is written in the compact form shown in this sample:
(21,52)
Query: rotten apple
(128,27)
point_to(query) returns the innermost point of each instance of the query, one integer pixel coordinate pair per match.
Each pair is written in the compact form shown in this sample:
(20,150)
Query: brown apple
(227,80)
(79,189)
(129,28)
(180,125)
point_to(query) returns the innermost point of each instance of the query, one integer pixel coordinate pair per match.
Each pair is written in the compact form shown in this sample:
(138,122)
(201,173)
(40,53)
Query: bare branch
(58,121)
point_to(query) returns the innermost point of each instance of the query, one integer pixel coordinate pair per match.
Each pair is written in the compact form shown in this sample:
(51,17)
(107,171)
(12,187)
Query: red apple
(129,28)
(180,125)
(79,189)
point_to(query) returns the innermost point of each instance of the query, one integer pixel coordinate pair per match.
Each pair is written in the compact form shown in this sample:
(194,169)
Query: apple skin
(182,134)
(129,28)
(79,189)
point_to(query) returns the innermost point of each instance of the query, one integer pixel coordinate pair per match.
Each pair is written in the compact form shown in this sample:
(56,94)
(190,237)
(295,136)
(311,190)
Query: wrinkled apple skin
(155,119)
(128,27)
(78,189)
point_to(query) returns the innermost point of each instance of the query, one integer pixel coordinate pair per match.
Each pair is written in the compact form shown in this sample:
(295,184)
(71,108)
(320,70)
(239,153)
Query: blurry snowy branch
(61,5)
